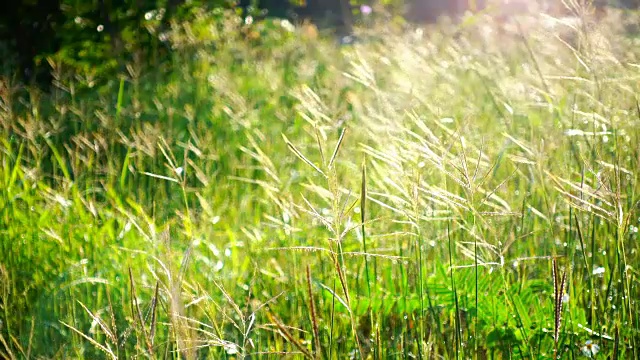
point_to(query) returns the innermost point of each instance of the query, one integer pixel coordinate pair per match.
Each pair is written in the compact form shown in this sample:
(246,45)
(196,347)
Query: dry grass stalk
(314,319)
(137,313)
(559,281)
(287,335)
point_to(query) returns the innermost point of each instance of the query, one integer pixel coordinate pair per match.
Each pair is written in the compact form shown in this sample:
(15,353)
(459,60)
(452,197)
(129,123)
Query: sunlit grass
(405,197)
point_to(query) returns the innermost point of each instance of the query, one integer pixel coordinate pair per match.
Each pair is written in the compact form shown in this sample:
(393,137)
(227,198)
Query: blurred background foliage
(97,37)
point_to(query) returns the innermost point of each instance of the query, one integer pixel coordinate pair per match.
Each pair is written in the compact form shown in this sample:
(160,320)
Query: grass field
(467,194)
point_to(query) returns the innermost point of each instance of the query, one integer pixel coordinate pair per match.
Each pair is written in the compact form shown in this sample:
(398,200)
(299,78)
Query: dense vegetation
(249,189)
(104,34)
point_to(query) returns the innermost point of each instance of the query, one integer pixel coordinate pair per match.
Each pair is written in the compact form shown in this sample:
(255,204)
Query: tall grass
(271,195)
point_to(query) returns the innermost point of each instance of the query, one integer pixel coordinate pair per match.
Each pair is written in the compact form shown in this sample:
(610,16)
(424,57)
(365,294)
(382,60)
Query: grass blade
(338,145)
(302,157)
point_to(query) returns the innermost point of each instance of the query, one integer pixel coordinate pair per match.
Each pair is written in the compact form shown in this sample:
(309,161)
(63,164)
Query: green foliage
(154,208)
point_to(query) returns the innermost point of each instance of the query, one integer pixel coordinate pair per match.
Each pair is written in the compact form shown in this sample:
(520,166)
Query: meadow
(451,192)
